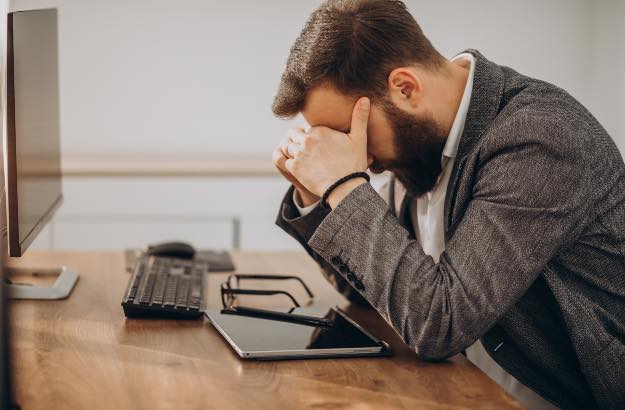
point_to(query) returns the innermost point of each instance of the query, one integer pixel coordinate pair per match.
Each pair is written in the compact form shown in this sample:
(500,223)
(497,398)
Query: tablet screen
(252,334)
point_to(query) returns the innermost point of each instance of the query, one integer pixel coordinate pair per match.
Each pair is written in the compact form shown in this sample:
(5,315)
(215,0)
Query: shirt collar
(453,139)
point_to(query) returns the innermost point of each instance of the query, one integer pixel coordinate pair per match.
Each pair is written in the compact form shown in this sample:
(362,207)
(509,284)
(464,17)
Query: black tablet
(268,339)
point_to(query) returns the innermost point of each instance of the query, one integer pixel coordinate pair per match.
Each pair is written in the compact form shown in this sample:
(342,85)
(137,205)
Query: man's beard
(419,144)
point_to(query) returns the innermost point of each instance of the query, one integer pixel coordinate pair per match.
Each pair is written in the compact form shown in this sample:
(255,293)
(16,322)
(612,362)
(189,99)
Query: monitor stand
(67,278)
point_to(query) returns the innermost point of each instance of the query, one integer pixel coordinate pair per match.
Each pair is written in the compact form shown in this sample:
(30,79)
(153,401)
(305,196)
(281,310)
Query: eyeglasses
(230,290)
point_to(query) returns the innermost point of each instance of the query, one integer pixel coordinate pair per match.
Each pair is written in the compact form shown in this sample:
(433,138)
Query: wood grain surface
(82,353)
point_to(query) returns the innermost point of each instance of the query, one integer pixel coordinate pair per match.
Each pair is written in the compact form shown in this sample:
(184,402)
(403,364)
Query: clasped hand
(315,159)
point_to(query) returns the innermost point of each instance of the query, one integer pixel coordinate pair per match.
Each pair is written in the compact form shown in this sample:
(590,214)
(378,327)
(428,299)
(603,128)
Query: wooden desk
(82,353)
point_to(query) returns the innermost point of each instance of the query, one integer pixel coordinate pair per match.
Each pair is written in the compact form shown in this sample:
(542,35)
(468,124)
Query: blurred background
(166,124)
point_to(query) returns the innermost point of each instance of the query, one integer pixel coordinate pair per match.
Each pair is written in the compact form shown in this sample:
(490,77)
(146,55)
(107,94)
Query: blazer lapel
(488,86)
(450,196)
(402,204)
(400,198)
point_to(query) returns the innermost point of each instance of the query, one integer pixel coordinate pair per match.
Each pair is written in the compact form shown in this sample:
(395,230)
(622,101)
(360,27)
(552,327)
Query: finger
(360,118)
(293,135)
(284,143)
(292,149)
(278,157)
(289,164)
(281,149)
(290,135)
(297,136)
(284,149)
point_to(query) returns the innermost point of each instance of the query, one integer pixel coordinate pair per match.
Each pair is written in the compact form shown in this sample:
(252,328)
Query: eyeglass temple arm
(274,277)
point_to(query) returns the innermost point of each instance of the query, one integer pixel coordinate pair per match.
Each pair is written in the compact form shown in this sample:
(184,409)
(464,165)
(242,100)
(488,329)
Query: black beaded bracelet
(324,198)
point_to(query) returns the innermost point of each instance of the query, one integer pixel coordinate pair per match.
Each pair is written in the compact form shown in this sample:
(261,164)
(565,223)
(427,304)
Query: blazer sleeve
(302,228)
(529,199)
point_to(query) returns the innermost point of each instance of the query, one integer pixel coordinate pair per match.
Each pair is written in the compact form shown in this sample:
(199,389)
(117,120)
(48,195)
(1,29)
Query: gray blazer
(534,264)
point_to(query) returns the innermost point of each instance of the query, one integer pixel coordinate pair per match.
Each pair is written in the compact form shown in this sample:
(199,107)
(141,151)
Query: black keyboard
(167,288)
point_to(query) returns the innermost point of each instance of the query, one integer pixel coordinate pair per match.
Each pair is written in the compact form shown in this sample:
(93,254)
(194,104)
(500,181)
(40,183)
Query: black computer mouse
(180,250)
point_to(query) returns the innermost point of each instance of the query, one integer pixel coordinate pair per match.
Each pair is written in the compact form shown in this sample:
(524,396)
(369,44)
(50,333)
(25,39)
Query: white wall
(156,76)
(199,76)
(535,37)
(606,61)
(578,45)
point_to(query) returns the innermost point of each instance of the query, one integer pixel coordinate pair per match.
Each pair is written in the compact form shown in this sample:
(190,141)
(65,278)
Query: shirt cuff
(300,227)
(303,211)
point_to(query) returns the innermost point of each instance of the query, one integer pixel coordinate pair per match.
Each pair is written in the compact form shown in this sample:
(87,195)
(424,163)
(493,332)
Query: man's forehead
(325,106)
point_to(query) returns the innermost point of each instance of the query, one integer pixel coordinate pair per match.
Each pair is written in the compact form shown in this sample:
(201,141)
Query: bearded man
(501,232)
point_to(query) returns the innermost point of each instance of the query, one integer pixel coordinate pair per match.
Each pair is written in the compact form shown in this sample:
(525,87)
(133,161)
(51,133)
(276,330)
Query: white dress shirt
(427,216)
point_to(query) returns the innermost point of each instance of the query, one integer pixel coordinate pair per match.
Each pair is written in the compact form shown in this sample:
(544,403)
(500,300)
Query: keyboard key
(182,293)
(159,290)
(166,287)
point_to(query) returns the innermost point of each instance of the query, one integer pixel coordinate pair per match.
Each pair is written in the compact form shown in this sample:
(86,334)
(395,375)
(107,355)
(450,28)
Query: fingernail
(364,103)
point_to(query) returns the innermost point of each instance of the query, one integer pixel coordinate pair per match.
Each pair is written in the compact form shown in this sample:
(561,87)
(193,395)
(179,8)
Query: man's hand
(322,156)
(280,155)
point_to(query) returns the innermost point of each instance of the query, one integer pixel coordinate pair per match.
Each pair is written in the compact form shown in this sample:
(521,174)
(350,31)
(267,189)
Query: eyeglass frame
(227,287)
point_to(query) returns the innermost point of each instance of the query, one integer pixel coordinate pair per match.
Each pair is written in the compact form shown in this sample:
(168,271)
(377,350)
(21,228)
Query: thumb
(360,117)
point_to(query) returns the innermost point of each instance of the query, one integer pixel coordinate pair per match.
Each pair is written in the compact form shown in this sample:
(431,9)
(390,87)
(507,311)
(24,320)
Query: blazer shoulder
(544,102)
(544,114)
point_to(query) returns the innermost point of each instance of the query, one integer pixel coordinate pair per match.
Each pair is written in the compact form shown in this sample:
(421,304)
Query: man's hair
(352,45)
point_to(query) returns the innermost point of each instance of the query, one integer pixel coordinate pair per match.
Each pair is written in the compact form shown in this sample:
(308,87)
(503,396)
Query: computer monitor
(32,147)
(33,140)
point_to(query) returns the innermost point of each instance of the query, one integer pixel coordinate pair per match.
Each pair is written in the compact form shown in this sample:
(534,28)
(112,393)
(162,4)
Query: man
(502,231)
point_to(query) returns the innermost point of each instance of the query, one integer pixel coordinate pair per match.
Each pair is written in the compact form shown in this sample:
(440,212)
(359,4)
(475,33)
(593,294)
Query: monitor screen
(32,151)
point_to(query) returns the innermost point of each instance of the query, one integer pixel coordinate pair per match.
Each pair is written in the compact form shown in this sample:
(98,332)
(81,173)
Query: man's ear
(405,88)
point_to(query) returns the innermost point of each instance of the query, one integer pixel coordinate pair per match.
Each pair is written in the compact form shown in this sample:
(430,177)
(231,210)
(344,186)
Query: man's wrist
(305,199)
(340,192)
